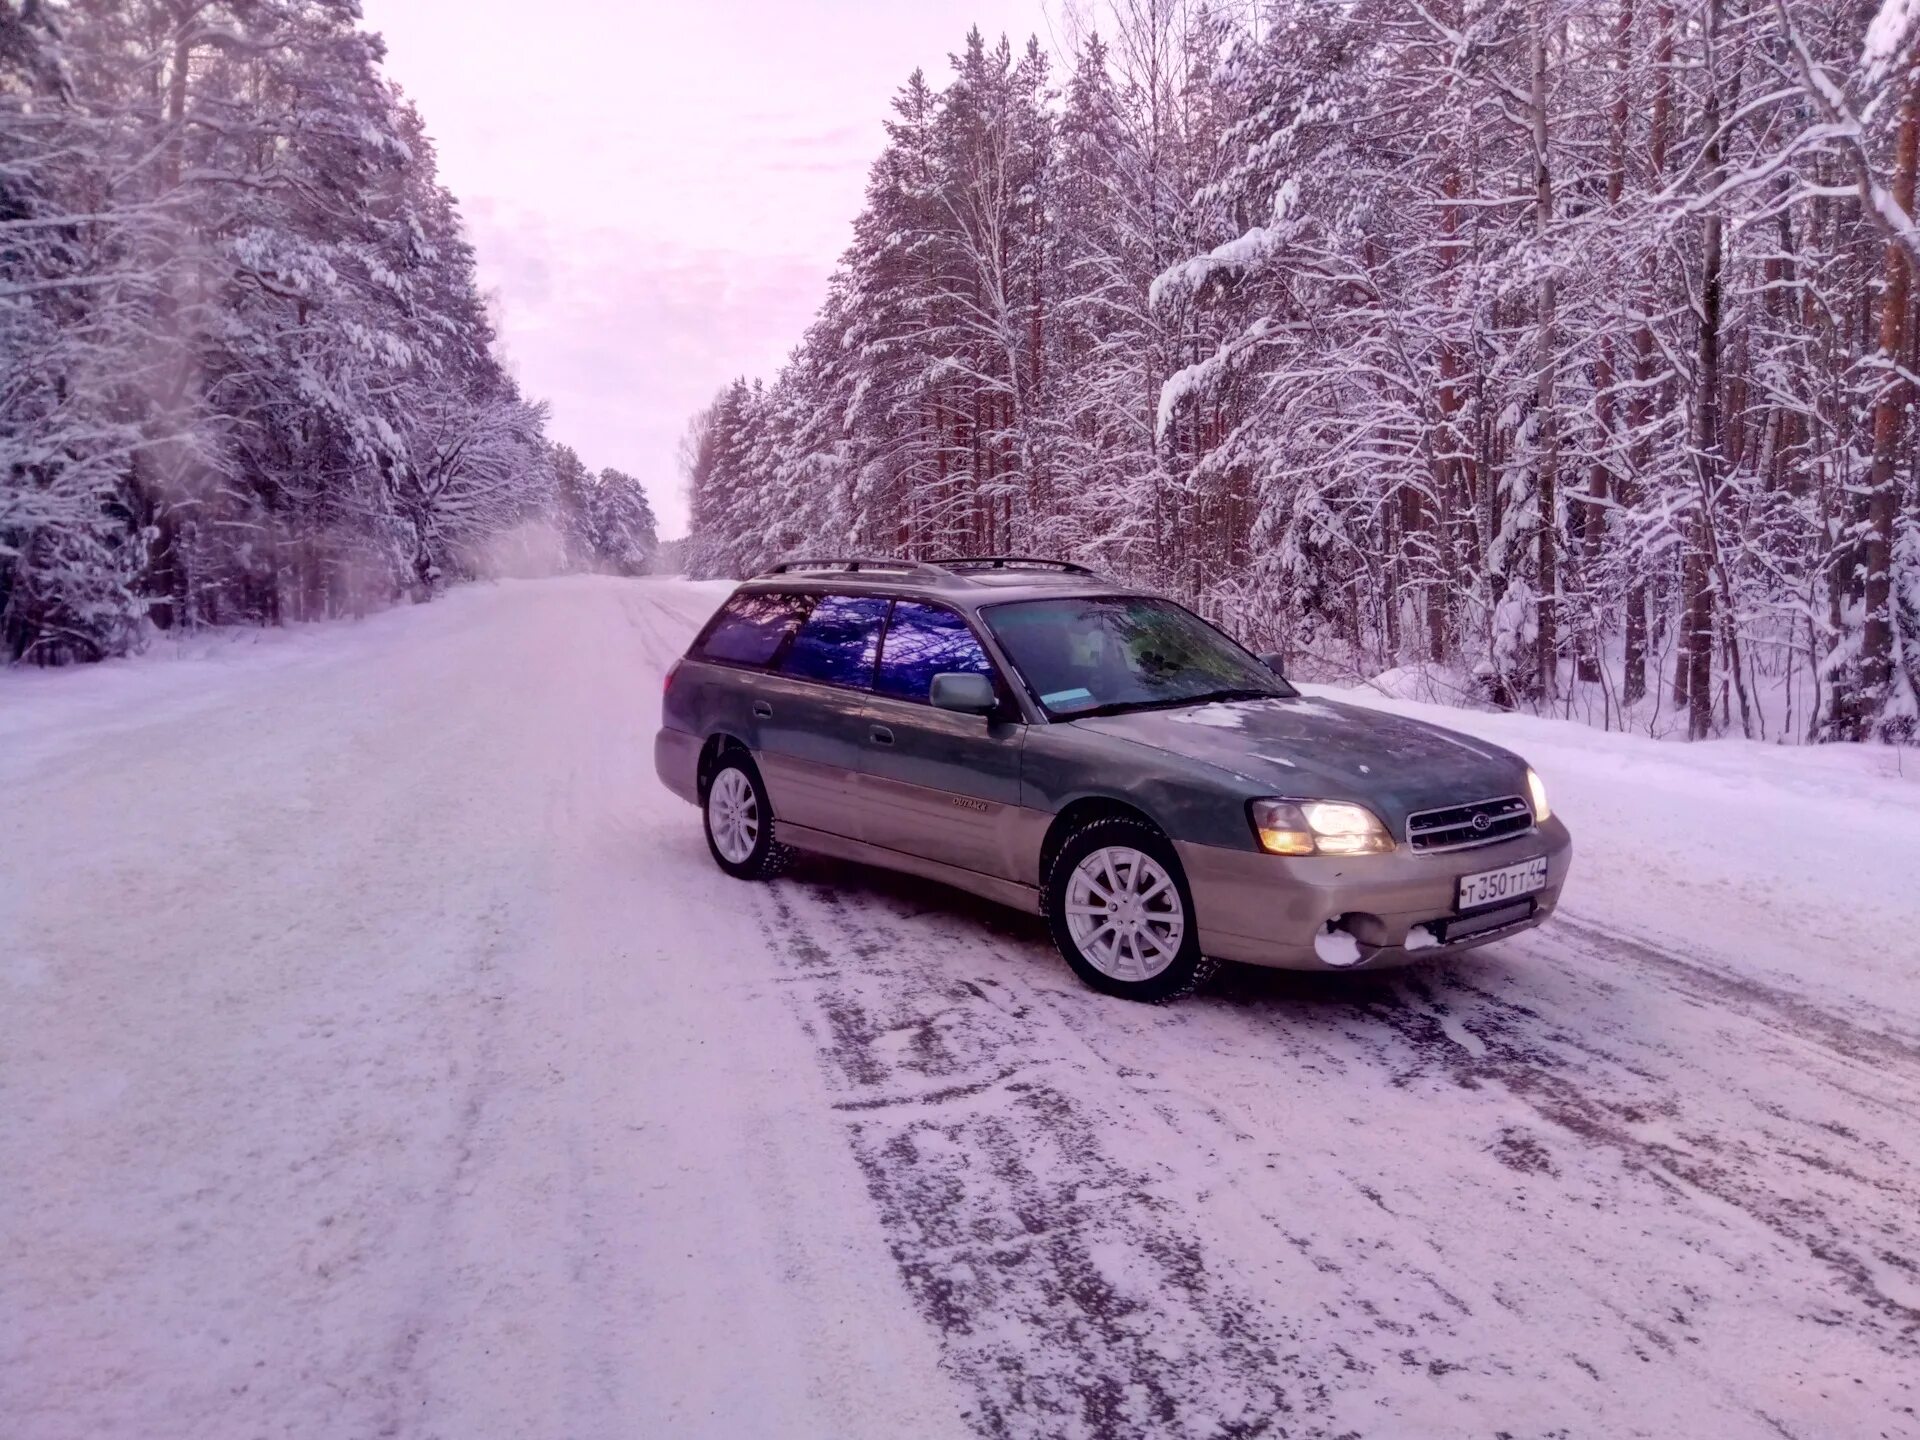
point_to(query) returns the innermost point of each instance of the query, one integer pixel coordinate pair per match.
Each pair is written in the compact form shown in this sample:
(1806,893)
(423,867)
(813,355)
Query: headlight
(1318,827)
(1537,791)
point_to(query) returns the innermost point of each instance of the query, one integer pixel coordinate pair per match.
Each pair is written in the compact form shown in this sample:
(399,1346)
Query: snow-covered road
(381,1054)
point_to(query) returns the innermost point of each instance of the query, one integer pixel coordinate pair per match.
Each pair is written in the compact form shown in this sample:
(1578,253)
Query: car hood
(1312,749)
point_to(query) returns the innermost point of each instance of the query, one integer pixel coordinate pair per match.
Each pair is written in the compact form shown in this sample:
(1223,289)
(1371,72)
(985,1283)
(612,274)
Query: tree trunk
(1593,526)
(1640,411)
(1548,430)
(1876,637)
(1454,482)
(1698,580)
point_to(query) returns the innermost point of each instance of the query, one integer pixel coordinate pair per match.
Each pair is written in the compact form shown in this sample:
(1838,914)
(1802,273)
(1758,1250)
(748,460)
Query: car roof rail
(1016,562)
(856,565)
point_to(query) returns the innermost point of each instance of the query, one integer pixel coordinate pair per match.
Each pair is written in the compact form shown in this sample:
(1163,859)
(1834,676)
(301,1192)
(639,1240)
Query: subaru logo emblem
(1482,821)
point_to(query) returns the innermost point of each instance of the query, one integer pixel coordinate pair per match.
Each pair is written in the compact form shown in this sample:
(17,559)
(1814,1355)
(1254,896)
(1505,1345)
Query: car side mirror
(969,694)
(1275,662)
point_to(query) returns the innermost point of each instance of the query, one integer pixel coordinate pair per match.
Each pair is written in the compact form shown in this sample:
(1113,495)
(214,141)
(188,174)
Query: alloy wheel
(733,815)
(1124,913)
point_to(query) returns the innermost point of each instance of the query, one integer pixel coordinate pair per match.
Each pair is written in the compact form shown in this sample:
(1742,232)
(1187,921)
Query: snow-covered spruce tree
(728,501)
(73,299)
(625,533)
(604,521)
(1141,157)
(572,507)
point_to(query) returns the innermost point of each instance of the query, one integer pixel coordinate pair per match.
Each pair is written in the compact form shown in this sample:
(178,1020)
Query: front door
(939,784)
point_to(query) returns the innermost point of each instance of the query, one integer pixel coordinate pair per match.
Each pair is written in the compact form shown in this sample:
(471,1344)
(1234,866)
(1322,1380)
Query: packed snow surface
(382,1054)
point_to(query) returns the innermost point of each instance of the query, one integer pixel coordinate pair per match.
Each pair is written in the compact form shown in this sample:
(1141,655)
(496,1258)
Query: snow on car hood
(1321,749)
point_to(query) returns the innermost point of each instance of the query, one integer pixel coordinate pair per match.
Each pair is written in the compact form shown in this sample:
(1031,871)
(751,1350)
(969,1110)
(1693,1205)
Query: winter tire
(1121,912)
(739,821)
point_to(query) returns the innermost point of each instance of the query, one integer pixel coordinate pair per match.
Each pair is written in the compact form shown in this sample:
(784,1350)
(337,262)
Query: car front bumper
(1262,909)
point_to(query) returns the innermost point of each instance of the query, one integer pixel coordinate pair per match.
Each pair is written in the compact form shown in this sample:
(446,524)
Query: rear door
(723,689)
(810,713)
(939,784)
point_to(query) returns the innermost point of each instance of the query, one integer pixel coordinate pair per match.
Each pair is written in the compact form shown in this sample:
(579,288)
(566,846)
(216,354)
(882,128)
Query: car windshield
(1098,655)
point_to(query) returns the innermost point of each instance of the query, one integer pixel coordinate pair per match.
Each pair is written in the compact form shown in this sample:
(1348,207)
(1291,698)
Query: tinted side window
(838,641)
(749,628)
(924,641)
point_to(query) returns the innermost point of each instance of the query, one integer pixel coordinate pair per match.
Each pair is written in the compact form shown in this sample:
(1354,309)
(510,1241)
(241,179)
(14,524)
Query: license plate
(1490,887)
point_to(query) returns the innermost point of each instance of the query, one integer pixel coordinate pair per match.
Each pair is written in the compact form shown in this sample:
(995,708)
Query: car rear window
(924,641)
(838,641)
(749,628)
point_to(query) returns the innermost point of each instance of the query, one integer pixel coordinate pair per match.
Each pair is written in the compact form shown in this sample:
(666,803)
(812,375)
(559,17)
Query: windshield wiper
(1210,697)
(1174,702)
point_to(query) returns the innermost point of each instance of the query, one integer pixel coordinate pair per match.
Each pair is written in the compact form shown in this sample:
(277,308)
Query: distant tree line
(246,373)
(605,521)
(1567,346)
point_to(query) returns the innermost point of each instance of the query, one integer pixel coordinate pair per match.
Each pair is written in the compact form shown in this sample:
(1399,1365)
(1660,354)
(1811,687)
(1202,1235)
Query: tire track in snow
(1878,1261)
(1065,1291)
(1653,1130)
(993,1109)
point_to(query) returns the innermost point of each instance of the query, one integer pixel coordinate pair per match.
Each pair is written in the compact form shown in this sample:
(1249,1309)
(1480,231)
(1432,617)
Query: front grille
(1481,823)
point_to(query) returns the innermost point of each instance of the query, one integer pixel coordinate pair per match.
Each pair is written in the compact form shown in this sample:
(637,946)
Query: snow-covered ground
(381,1054)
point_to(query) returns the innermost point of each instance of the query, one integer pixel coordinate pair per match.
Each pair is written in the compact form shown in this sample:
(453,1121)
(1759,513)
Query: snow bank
(1435,684)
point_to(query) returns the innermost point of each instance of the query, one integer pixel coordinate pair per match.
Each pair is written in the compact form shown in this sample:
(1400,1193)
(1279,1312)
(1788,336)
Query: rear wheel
(739,821)
(1121,912)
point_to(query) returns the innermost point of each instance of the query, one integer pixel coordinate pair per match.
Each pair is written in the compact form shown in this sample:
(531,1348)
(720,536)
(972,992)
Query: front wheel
(739,822)
(1121,912)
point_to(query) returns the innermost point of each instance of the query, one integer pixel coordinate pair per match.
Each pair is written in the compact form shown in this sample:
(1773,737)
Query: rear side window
(924,641)
(838,641)
(749,628)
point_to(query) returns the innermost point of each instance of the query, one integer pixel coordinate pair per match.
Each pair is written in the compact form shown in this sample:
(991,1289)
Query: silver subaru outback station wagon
(1036,734)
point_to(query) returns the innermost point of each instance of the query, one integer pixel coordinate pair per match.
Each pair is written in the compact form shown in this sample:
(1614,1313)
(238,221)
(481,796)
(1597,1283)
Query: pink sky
(658,190)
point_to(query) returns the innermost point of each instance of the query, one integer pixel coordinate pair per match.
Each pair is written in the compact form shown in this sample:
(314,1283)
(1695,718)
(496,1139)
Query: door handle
(881,735)
(763,710)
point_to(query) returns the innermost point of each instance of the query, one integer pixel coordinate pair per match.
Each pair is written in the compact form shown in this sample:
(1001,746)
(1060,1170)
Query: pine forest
(1557,353)
(246,372)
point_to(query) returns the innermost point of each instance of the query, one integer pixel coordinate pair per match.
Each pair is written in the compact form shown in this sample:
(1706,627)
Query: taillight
(666,686)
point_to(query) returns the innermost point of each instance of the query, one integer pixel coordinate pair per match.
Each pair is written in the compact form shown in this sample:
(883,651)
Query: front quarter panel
(1191,800)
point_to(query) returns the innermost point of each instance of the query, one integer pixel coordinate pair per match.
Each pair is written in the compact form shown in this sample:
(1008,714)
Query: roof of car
(967,578)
